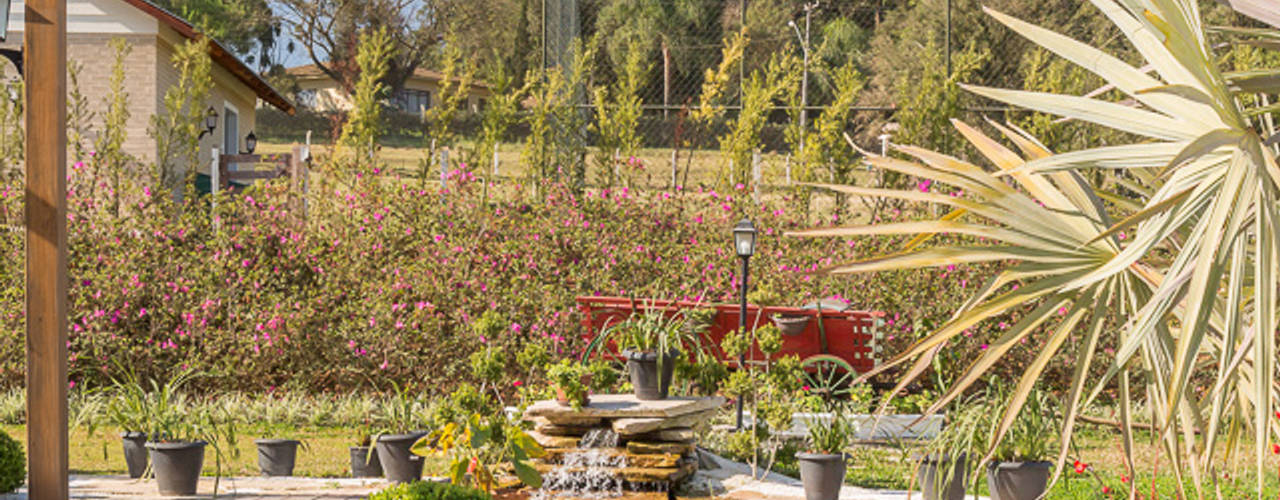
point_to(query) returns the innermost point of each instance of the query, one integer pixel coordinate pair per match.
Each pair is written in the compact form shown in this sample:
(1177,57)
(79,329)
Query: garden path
(256,488)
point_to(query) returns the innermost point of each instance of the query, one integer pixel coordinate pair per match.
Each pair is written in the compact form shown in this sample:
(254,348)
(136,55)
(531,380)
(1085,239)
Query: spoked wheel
(828,376)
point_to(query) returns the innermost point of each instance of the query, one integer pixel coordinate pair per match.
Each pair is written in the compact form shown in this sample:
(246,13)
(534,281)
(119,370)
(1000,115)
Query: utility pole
(804,81)
(45,66)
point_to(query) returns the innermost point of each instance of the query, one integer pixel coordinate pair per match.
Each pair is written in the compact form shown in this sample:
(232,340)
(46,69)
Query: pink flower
(923,186)
(517,383)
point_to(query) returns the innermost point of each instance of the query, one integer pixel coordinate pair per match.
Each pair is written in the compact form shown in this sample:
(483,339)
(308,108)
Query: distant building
(153,33)
(320,92)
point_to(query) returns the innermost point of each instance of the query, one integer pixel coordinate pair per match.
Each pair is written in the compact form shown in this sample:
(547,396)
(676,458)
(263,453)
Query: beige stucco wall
(227,90)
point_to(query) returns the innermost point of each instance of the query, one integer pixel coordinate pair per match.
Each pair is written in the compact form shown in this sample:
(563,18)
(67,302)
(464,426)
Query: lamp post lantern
(251,142)
(210,122)
(744,243)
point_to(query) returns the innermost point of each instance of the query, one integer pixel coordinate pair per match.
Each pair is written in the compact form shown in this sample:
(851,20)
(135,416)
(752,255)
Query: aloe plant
(1185,255)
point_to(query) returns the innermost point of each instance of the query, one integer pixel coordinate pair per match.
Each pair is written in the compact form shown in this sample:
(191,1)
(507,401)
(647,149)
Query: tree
(247,27)
(682,34)
(327,31)
(365,125)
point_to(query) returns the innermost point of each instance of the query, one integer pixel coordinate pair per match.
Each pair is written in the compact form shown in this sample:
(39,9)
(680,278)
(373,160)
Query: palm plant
(1194,283)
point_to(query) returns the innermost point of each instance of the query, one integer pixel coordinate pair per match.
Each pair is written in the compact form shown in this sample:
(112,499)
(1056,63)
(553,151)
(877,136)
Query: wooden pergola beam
(45,41)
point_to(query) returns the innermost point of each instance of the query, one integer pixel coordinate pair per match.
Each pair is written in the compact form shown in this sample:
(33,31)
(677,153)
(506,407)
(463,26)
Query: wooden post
(45,63)
(444,169)
(788,166)
(674,169)
(224,173)
(755,176)
(495,162)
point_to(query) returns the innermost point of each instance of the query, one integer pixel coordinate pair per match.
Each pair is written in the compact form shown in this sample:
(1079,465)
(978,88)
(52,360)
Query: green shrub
(13,464)
(429,491)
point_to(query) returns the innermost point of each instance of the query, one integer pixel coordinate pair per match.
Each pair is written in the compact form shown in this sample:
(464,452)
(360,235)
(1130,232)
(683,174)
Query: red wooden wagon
(833,350)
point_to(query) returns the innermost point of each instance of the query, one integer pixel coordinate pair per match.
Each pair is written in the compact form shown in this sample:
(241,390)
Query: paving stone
(676,435)
(611,406)
(644,448)
(634,426)
(549,441)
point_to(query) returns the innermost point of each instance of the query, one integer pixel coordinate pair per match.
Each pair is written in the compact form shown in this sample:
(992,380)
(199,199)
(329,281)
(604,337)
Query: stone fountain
(618,442)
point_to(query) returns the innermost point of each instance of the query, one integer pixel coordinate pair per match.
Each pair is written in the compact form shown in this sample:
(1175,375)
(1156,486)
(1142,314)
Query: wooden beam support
(45,41)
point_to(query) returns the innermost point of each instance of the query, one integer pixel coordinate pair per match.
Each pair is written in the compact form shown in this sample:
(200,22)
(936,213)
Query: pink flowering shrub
(382,282)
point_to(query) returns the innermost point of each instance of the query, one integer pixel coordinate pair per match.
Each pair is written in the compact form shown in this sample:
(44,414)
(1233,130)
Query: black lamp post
(210,122)
(251,142)
(744,243)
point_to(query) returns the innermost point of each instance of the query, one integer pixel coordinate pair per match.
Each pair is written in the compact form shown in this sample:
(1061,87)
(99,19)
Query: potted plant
(127,407)
(571,381)
(791,324)
(944,467)
(822,466)
(178,435)
(364,461)
(1019,469)
(651,342)
(401,418)
(276,457)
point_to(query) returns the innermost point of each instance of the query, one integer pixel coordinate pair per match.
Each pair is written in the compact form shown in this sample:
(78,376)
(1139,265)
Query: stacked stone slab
(658,438)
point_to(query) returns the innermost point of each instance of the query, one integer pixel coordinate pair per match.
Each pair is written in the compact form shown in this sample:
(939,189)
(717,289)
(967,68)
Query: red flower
(471,467)
(1081,467)
(1275,448)
(1106,490)
(1124,478)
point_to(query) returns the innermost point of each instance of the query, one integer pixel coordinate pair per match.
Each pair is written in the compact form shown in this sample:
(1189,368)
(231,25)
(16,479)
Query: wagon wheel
(828,376)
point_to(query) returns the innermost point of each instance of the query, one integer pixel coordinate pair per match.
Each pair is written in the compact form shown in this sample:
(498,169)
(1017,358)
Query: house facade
(320,92)
(153,35)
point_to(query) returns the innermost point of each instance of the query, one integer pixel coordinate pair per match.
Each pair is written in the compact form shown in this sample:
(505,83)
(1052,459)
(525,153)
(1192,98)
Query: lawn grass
(325,454)
(704,168)
(891,467)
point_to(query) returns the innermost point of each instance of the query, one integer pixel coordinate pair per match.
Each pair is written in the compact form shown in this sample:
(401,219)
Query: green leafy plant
(177,130)
(653,329)
(13,464)
(569,378)
(456,75)
(831,436)
(429,490)
(618,113)
(365,123)
(476,445)
(1184,256)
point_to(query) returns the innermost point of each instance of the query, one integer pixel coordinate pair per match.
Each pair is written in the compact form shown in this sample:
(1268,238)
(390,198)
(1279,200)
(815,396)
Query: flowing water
(587,471)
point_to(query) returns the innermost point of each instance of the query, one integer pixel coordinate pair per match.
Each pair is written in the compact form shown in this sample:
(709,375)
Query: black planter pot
(399,465)
(277,456)
(934,482)
(365,464)
(647,383)
(1017,480)
(135,452)
(177,466)
(822,474)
